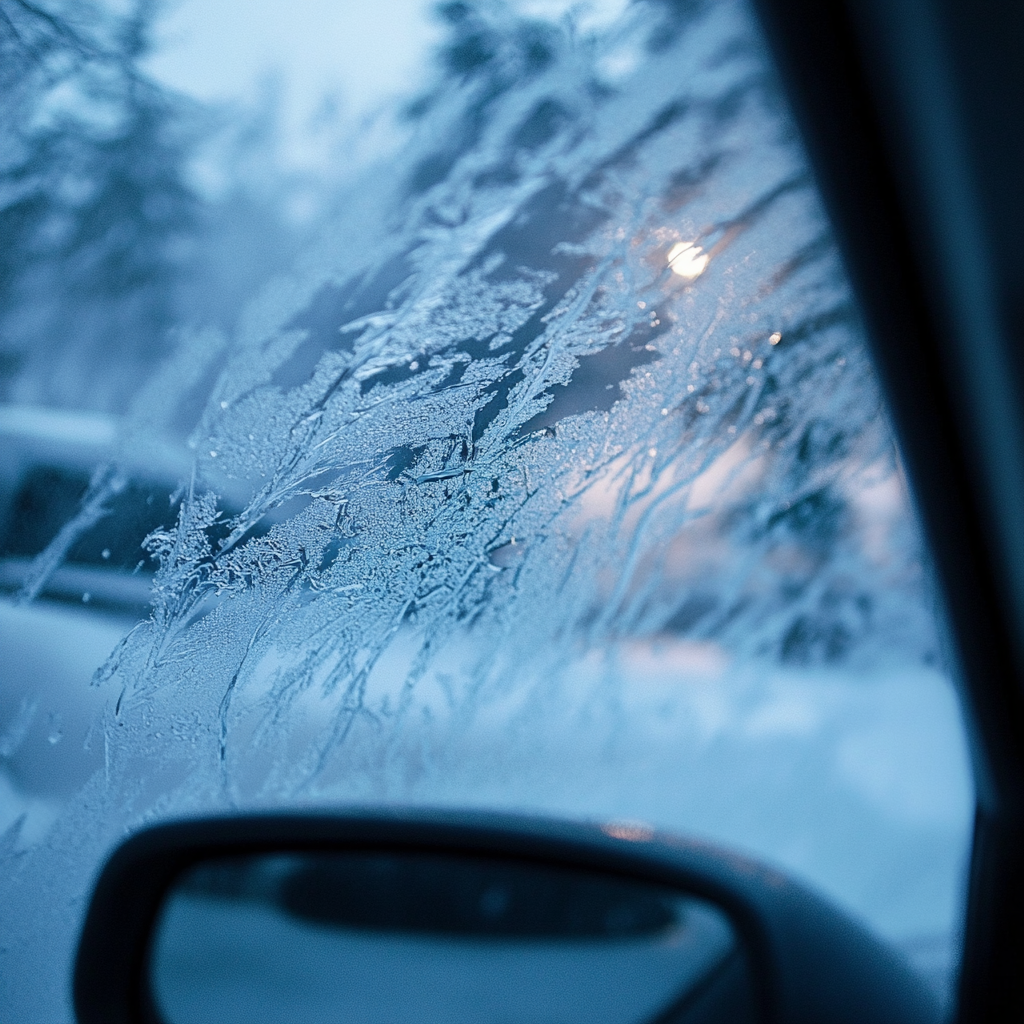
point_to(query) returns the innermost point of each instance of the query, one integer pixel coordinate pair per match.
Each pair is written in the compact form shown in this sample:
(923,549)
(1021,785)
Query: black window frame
(911,112)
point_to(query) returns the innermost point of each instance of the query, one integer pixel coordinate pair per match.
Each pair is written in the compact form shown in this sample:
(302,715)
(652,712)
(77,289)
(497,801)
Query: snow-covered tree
(96,212)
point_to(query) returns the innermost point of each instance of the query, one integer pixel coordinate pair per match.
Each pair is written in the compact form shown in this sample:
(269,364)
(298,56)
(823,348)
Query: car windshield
(508,442)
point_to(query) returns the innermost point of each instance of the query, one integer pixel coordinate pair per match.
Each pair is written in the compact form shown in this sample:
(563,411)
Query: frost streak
(490,426)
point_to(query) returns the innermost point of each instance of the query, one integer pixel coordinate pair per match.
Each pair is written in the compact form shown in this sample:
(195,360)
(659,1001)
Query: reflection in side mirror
(421,937)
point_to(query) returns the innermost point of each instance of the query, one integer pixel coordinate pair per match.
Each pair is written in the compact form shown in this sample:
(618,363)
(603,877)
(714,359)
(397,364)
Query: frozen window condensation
(489,503)
(490,414)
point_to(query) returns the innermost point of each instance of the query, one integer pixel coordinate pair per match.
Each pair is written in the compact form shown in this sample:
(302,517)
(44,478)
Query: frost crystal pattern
(586,373)
(571,395)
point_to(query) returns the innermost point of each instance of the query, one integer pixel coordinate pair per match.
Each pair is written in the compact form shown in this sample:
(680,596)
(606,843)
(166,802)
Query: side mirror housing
(427,916)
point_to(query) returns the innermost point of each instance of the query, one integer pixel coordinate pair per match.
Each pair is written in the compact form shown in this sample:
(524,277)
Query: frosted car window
(554,477)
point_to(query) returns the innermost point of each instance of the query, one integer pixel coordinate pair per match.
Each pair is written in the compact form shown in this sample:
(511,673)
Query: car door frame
(911,114)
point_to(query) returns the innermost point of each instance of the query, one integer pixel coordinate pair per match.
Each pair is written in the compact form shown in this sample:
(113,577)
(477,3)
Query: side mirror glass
(420,936)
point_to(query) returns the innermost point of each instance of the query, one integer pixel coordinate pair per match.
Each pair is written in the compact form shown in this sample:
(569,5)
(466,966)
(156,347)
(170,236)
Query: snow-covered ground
(859,786)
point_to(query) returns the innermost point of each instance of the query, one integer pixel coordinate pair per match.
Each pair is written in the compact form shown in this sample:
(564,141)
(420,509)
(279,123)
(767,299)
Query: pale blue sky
(361,50)
(220,50)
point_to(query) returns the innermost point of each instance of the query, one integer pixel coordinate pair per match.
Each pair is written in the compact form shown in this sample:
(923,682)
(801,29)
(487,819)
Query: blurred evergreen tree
(97,219)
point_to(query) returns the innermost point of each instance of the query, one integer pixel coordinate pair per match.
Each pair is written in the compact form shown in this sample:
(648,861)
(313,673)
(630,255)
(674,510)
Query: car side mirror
(418,917)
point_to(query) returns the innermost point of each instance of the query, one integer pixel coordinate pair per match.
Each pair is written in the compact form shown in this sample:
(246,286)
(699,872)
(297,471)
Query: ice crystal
(490,414)
(569,403)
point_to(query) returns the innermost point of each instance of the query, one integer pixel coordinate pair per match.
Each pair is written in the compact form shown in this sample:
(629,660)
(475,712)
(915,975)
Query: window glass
(512,444)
